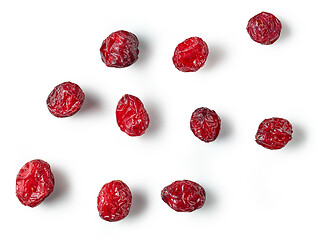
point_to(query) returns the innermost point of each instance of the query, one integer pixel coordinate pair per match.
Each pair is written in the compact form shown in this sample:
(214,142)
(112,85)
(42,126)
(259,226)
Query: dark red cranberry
(190,55)
(120,49)
(114,201)
(264,28)
(274,133)
(184,196)
(131,115)
(65,99)
(205,124)
(34,182)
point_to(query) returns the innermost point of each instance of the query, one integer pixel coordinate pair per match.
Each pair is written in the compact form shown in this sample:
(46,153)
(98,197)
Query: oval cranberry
(264,28)
(34,182)
(114,201)
(190,55)
(120,49)
(184,196)
(131,116)
(205,124)
(65,100)
(274,133)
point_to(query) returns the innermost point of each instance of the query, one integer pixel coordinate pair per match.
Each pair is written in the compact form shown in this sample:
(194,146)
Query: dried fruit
(114,201)
(190,55)
(274,133)
(34,182)
(65,99)
(120,49)
(264,28)
(131,115)
(205,124)
(184,196)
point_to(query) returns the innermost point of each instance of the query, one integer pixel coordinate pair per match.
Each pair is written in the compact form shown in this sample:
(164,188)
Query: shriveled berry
(274,133)
(65,99)
(184,196)
(190,55)
(205,124)
(34,182)
(114,201)
(131,115)
(264,28)
(120,49)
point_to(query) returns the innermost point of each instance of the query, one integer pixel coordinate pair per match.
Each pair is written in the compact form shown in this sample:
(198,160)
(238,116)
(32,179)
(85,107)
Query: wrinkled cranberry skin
(34,183)
(274,133)
(114,201)
(184,196)
(264,28)
(131,116)
(65,100)
(190,55)
(205,124)
(120,49)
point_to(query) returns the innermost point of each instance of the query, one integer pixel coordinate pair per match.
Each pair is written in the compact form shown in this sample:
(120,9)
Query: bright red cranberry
(131,115)
(120,49)
(274,133)
(264,28)
(184,196)
(114,201)
(190,55)
(205,124)
(65,99)
(34,182)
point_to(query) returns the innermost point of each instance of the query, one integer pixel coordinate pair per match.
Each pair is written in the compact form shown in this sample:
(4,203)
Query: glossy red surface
(190,55)
(65,100)
(264,28)
(114,201)
(184,196)
(120,49)
(131,116)
(34,182)
(274,133)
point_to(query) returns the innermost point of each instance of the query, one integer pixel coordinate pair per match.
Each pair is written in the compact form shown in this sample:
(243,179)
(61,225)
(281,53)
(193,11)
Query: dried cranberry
(65,99)
(205,124)
(34,182)
(274,133)
(190,55)
(120,49)
(114,201)
(264,28)
(184,196)
(131,116)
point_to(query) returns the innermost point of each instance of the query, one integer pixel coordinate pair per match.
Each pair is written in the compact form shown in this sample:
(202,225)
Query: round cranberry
(131,116)
(65,99)
(184,196)
(120,49)
(34,182)
(205,124)
(274,133)
(114,201)
(264,28)
(190,55)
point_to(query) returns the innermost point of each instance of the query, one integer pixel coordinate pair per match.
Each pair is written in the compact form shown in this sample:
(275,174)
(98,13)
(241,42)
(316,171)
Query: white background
(252,192)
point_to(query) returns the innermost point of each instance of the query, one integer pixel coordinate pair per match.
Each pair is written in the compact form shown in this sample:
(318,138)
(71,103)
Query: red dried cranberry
(205,124)
(274,133)
(65,99)
(190,55)
(131,116)
(264,28)
(34,182)
(120,49)
(184,196)
(114,201)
